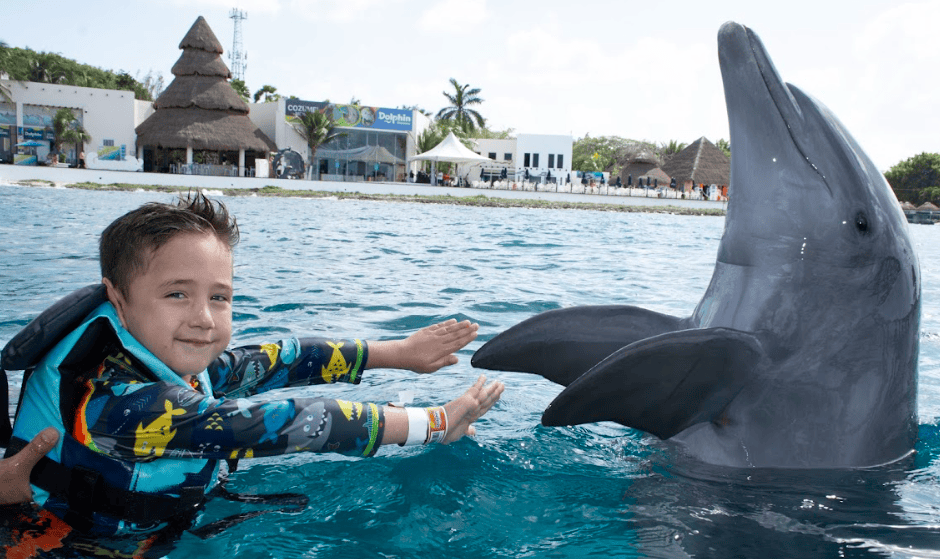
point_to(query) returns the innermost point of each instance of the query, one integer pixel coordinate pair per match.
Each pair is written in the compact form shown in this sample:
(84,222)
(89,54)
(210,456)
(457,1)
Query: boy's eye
(175,295)
(222,298)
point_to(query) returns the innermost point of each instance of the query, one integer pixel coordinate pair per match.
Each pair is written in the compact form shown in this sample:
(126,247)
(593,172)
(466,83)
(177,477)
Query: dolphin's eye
(861,223)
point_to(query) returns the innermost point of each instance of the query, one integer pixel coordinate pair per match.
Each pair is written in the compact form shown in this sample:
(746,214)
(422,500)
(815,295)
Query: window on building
(535,160)
(525,160)
(507,157)
(492,155)
(561,161)
(107,143)
(551,160)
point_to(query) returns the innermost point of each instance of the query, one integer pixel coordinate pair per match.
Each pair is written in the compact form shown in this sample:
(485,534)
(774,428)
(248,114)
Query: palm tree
(61,122)
(670,149)
(269,92)
(241,89)
(459,109)
(317,128)
(76,134)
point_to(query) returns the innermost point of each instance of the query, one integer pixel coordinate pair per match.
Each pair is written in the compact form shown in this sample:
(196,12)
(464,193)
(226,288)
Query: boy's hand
(433,347)
(14,471)
(425,351)
(462,412)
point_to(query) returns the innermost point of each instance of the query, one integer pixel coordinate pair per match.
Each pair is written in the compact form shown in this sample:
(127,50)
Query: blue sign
(34,133)
(354,116)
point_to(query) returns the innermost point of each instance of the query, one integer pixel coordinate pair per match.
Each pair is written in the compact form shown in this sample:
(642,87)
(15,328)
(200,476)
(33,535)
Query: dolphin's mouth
(760,104)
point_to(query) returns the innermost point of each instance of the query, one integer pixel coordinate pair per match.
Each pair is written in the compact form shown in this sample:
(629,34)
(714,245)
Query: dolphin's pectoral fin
(662,385)
(562,344)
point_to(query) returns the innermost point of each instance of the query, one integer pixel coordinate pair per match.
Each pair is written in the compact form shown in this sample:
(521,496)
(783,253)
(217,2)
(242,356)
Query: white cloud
(453,16)
(310,10)
(896,80)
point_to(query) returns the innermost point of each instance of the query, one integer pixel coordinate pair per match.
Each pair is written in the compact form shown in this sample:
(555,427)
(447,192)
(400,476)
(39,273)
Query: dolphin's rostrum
(803,351)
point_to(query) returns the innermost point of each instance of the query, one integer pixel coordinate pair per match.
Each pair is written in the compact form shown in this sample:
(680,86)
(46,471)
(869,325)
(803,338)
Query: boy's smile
(180,306)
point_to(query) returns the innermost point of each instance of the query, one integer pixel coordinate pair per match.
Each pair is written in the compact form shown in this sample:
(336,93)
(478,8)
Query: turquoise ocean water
(380,270)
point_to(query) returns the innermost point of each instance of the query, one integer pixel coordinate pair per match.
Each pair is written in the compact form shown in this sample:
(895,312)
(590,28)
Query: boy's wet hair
(128,243)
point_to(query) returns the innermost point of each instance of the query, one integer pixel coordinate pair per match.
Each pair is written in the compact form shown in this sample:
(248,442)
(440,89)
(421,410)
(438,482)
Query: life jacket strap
(6,429)
(87,493)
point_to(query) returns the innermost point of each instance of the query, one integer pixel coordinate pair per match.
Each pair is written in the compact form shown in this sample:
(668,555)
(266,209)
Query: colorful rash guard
(127,413)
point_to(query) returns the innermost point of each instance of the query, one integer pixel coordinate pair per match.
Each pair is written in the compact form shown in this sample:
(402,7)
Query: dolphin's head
(802,190)
(817,261)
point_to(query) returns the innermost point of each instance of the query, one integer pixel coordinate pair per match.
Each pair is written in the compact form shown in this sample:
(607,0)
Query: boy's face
(180,307)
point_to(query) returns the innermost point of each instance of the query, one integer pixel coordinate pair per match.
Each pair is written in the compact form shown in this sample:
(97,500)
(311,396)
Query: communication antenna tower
(238,57)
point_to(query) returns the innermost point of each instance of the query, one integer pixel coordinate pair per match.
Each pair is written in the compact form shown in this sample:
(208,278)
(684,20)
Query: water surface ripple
(380,270)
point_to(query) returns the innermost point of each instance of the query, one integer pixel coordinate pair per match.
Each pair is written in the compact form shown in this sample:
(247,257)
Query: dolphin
(802,353)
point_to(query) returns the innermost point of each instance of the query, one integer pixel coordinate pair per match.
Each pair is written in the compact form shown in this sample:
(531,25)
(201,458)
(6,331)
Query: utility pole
(237,56)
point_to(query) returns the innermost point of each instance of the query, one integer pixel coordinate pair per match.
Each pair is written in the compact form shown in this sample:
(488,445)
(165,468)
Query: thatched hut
(644,167)
(700,163)
(924,213)
(200,110)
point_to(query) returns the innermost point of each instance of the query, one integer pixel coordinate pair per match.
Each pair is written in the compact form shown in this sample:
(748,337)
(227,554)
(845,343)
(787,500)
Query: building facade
(109,117)
(536,157)
(374,143)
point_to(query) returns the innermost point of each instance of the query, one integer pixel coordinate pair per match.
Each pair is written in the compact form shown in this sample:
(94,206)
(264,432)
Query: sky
(639,70)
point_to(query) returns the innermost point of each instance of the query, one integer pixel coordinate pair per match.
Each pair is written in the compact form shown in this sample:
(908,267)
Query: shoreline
(88,179)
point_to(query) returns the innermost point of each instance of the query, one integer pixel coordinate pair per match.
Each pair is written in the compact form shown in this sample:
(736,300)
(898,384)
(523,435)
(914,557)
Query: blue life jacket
(90,491)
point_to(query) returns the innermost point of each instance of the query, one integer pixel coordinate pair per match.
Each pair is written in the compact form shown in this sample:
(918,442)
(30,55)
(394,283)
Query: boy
(147,400)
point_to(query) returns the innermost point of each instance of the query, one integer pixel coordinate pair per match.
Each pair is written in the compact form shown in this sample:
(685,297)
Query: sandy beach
(234,186)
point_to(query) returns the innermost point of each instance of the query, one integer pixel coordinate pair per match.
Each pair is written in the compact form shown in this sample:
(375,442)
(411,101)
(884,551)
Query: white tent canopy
(451,151)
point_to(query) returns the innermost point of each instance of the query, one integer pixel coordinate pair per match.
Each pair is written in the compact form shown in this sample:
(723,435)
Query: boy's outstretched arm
(425,351)
(461,413)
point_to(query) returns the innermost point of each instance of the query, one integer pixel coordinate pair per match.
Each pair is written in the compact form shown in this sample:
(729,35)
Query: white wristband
(417,426)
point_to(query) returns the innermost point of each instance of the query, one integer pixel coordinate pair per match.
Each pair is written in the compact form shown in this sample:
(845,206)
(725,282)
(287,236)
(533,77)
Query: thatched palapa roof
(200,109)
(201,37)
(201,93)
(701,162)
(203,129)
(646,170)
(200,63)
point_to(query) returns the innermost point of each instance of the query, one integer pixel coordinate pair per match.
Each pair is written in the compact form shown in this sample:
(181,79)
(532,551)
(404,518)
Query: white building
(541,157)
(109,116)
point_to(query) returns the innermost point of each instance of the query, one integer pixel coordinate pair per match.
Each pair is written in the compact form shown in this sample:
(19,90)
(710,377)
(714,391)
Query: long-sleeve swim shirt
(126,412)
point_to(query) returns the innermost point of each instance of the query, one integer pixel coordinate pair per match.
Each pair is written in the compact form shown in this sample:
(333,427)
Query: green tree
(317,128)
(61,122)
(268,92)
(460,110)
(77,135)
(724,146)
(916,179)
(610,153)
(44,69)
(417,109)
(153,83)
(28,65)
(6,96)
(485,133)
(241,89)
(667,150)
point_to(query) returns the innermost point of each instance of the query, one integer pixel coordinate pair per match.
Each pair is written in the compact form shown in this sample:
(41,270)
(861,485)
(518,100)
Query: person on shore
(147,399)
(81,160)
